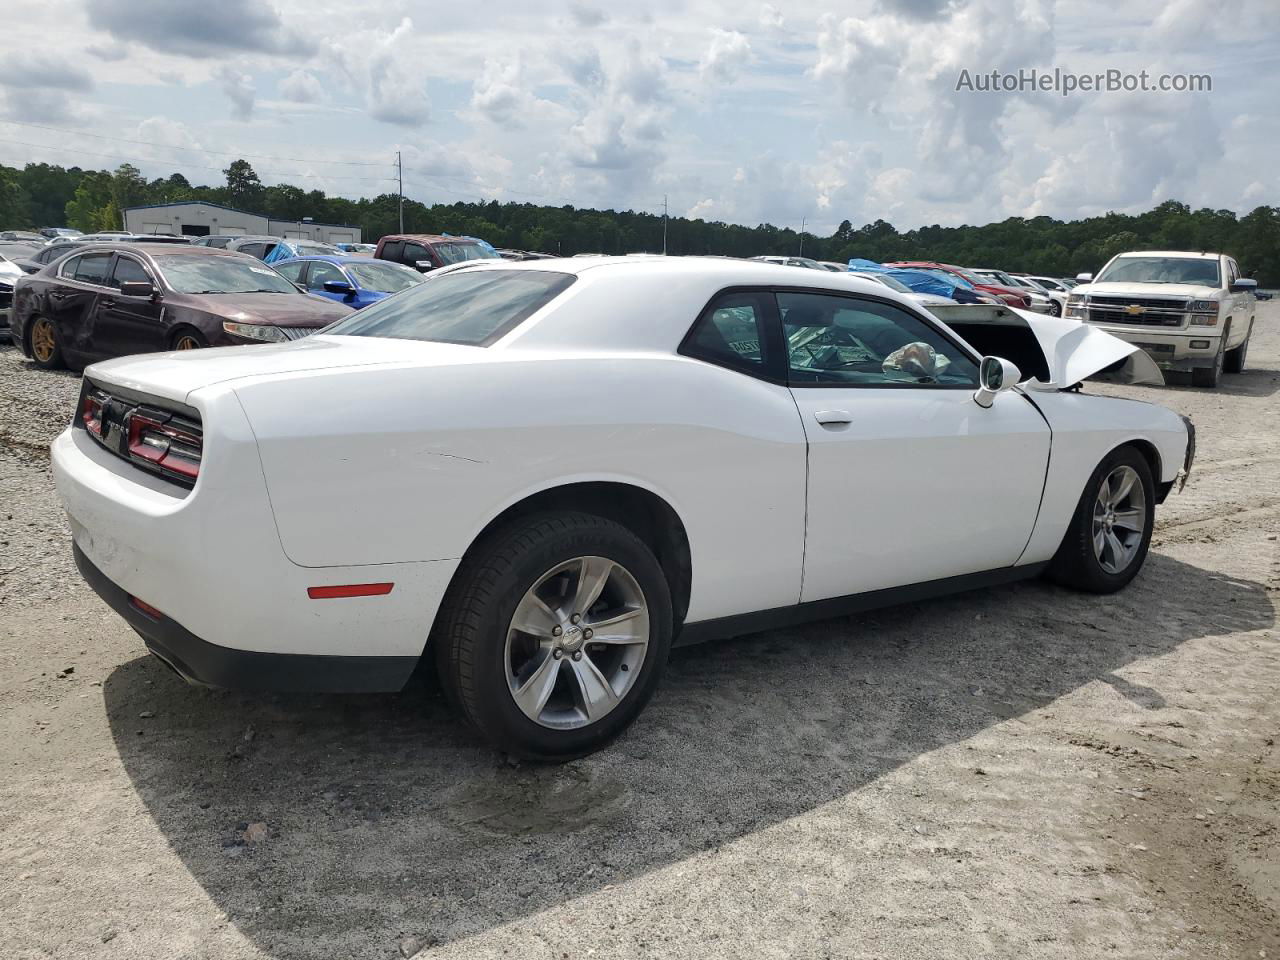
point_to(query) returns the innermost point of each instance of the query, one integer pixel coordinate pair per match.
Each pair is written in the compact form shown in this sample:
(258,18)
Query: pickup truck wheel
(45,349)
(555,634)
(1110,532)
(1212,376)
(1233,362)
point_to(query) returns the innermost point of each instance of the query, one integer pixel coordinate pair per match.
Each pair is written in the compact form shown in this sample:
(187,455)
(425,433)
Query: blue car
(355,281)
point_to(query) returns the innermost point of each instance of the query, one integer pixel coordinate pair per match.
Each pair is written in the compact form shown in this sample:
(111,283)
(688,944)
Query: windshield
(215,274)
(473,307)
(451,252)
(384,277)
(1198,271)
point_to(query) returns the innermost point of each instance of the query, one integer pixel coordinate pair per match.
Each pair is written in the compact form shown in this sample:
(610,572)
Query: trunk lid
(175,375)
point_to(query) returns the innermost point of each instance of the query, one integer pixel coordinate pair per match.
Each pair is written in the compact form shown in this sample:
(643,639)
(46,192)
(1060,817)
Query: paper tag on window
(263,270)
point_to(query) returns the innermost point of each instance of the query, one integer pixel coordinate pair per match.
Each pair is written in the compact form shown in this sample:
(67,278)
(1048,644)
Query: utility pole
(400,177)
(802,222)
(664,224)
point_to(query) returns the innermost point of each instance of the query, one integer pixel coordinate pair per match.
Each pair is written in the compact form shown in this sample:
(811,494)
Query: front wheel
(1055,308)
(1233,362)
(1110,532)
(555,634)
(188,339)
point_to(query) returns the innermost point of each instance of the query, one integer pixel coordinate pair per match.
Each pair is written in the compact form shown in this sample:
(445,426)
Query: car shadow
(1251,382)
(386,814)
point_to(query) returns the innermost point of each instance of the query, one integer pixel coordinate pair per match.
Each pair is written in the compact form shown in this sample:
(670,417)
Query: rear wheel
(555,634)
(45,349)
(188,339)
(1110,532)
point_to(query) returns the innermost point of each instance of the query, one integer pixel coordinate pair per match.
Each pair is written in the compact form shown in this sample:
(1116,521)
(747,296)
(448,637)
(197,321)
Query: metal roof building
(198,218)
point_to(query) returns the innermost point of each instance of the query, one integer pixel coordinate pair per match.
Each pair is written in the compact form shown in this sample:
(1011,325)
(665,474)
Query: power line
(198,166)
(174,146)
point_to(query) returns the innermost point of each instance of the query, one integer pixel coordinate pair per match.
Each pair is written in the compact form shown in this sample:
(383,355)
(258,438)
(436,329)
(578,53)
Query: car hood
(1180,291)
(10,269)
(278,309)
(178,374)
(1073,351)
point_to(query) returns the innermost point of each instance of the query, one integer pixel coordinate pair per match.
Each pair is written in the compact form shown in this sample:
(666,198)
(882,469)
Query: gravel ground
(1021,772)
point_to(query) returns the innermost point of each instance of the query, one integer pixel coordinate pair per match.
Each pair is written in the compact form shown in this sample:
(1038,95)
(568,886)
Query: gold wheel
(187,342)
(43,344)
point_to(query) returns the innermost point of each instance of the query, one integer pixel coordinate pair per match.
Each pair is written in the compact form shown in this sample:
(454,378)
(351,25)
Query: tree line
(42,194)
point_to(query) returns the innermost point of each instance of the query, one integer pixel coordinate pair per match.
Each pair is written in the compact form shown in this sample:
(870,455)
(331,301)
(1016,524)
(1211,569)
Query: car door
(910,480)
(1242,306)
(416,253)
(71,300)
(125,325)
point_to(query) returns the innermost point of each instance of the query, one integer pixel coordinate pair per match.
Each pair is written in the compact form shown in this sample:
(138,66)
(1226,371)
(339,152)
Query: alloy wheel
(1119,519)
(43,343)
(577,643)
(186,342)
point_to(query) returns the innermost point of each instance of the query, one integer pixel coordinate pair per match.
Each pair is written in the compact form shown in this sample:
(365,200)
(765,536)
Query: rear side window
(474,307)
(731,332)
(91,268)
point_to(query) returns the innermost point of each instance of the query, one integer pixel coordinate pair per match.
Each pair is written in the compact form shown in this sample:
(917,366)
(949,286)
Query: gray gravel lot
(1020,772)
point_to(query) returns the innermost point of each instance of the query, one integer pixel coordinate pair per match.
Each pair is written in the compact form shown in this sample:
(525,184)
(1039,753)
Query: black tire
(1210,377)
(1055,308)
(1233,362)
(1076,564)
(43,357)
(471,630)
(187,338)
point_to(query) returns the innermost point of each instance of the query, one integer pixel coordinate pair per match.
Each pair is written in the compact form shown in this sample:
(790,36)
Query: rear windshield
(473,307)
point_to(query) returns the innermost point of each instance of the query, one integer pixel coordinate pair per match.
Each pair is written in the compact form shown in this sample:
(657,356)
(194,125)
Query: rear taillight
(91,414)
(170,448)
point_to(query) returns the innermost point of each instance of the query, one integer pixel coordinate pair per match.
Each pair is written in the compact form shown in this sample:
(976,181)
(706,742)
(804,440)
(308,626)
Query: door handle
(832,417)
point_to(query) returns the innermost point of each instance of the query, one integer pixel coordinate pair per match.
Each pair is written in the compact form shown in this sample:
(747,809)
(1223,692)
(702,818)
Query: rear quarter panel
(390,465)
(1086,428)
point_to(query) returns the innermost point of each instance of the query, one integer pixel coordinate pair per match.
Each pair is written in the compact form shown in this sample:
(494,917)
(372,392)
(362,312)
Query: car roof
(168,249)
(428,237)
(1182,254)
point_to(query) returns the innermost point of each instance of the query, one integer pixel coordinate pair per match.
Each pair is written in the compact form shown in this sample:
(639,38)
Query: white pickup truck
(1188,311)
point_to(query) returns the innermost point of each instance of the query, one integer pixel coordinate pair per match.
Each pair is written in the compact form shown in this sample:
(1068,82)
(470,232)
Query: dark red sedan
(1015,298)
(112,300)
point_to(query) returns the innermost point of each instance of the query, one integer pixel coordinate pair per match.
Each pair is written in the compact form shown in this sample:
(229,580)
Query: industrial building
(200,219)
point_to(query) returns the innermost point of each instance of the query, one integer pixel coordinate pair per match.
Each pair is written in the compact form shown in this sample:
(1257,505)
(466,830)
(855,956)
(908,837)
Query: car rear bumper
(210,665)
(1171,350)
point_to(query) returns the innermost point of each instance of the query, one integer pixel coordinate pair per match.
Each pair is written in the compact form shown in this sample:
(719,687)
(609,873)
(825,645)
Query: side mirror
(423,265)
(1244,285)
(137,288)
(1084,277)
(996,375)
(339,286)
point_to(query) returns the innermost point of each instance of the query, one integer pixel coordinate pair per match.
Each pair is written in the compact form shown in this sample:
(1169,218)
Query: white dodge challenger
(542,475)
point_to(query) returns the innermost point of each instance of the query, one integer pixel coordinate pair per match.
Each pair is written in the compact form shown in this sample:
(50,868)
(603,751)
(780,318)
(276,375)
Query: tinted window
(128,270)
(384,277)
(469,306)
(258,250)
(394,250)
(213,273)
(413,252)
(320,272)
(846,340)
(731,332)
(91,268)
(290,271)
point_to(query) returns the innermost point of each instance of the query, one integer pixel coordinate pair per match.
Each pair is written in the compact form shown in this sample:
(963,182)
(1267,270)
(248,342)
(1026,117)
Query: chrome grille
(297,333)
(1150,311)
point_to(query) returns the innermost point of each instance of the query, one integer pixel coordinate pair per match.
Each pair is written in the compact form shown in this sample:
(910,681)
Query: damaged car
(542,476)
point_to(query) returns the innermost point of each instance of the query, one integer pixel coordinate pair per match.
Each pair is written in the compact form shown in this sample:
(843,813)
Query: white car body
(1183,326)
(342,460)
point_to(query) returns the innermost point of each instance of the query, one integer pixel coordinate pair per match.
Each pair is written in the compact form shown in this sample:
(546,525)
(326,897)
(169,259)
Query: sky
(746,112)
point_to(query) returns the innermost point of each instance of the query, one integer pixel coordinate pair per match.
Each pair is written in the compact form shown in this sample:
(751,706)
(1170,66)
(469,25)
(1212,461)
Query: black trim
(208,664)
(743,623)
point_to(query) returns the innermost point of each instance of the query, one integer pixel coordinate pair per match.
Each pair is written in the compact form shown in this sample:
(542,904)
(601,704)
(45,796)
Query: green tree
(244,189)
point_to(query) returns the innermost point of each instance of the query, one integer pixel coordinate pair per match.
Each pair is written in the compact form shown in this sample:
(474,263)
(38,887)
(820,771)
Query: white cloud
(771,17)
(396,88)
(728,52)
(301,86)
